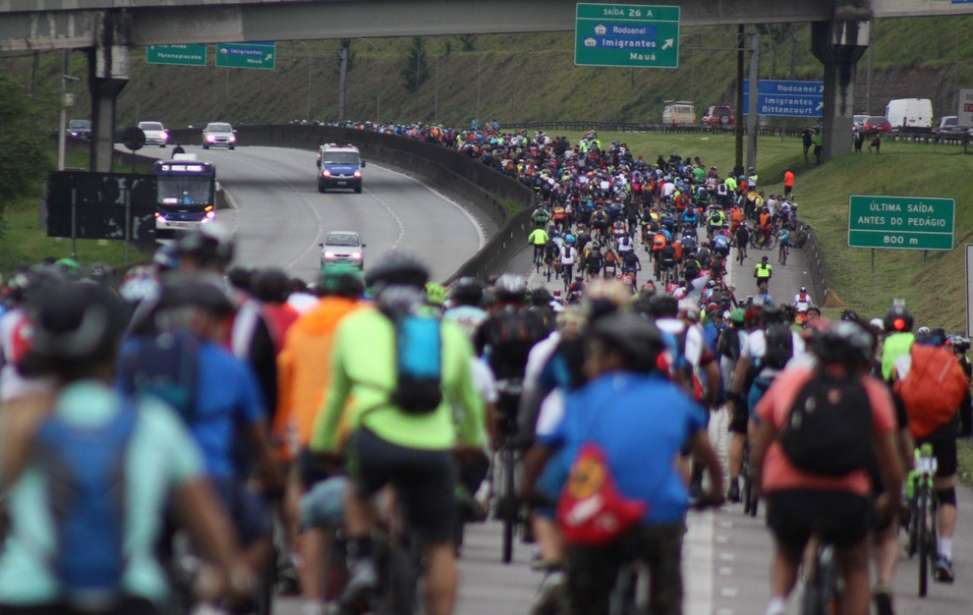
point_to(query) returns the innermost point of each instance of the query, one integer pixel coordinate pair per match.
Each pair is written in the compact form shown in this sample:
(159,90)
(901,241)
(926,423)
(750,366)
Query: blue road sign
(259,54)
(781,98)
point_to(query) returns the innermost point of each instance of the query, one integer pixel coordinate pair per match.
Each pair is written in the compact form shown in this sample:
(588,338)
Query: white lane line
(395,216)
(698,563)
(480,235)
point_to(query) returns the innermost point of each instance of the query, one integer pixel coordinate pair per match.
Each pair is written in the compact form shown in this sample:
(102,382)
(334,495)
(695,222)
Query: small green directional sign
(260,55)
(626,35)
(176,55)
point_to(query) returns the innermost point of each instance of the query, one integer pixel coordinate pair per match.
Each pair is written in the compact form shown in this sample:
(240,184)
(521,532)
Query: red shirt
(789,179)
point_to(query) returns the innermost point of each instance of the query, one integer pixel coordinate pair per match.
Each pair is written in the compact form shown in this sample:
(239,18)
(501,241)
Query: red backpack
(932,390)
(591,511)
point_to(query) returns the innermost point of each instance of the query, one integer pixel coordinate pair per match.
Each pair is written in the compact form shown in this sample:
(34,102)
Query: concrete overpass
(108,29)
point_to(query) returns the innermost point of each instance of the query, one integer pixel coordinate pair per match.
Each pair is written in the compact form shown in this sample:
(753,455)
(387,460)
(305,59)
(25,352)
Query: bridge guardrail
(504,201)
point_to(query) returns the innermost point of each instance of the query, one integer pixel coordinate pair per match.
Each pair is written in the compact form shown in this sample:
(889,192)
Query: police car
(339,166)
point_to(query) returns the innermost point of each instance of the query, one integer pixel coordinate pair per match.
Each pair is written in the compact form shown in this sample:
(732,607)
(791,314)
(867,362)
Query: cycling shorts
(424,482)
(943,442)
(841,518)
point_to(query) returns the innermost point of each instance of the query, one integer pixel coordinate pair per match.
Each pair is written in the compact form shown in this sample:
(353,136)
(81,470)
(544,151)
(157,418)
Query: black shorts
(839,517)
(740,419)
(424,482)
(943,442)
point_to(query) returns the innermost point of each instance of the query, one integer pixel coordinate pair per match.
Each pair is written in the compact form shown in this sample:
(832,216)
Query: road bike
(922,513)
(782,253)
(760,240)
(505,465)
(821,588)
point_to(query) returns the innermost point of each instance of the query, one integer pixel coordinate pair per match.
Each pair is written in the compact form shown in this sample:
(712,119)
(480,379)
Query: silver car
(343,247)
(155,133)
(219,134)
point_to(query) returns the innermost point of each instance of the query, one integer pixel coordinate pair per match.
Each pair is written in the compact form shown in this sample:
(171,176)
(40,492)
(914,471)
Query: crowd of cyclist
(193,398)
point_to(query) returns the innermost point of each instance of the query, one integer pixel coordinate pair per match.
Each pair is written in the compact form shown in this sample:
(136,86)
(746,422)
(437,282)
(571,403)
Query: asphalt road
(280,218)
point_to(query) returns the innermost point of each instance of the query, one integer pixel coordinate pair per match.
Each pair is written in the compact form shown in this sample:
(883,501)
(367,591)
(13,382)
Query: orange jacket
(304,367)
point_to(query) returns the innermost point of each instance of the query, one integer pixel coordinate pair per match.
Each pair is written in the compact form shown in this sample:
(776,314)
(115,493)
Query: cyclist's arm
(324,436)
(463,396)
(19,420)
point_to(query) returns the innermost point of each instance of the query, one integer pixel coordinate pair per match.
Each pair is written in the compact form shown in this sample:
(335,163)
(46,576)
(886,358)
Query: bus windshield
(185,190)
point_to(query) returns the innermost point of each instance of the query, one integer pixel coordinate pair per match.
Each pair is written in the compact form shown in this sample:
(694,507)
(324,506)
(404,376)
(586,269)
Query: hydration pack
(780,346)
(418,363)
(165,367)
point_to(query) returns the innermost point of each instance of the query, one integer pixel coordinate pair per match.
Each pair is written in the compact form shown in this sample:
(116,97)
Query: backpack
(165,367)
(418,362)
(512,334)
(933,389)
(780,346)
(85,472)
(829,428)
(729,344)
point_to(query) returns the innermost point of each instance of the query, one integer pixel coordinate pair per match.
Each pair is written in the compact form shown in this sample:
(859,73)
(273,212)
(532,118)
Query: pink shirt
(775,406)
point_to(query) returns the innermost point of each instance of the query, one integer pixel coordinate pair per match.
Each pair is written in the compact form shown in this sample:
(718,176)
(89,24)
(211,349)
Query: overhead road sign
(901,222)
(626,35)
(261,55)
(781,98)
(176,55)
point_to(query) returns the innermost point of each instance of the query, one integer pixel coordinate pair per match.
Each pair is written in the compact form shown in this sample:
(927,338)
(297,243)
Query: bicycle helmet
(540,297)
(397,268)
(637,339)
(342,280)
(898,319)
(195,290)
(466,291)
(166,258)
(510,287)
(843,343)
(68,267)
(271,285)
(209,245)
(435,293)
(737,316)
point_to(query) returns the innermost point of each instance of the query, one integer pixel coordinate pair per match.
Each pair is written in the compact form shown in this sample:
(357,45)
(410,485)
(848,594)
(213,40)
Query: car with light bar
(339,166)
(219,134)
(155,133)
(186,194)
(343,247)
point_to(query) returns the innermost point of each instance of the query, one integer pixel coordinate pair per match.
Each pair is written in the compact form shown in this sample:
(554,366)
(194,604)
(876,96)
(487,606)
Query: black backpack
(780,346)
(512,334)
(729,344)
(166,367)
(829,428)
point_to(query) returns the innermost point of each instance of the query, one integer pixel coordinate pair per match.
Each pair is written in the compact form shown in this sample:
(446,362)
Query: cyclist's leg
(660,547)
(944,448)
(591,577)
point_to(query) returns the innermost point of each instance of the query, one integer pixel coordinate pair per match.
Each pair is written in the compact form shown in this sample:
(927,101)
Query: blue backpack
(85,470)
(418,362)
(165,367)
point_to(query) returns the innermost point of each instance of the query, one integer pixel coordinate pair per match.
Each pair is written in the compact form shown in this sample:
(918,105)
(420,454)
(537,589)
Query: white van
(679,113)
(907,114)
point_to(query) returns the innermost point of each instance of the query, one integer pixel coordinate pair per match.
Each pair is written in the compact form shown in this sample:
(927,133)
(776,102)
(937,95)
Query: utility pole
(752,123)
(307,112)
(63,117)
(868,69)
(343,77)
(741,45)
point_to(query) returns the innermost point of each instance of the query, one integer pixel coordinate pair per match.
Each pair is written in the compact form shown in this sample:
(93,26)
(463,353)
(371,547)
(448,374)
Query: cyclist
(540,217)
(552,252)
(784,236)
(898,325)
(823,487)
(390,445)
(608,415)
(762,272)
(569,256)
(742,237)
(803,300)
(538,238)
(70,555)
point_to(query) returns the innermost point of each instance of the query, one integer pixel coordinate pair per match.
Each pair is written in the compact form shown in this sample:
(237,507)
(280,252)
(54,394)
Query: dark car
(79,130)
(719,116)
(876,124)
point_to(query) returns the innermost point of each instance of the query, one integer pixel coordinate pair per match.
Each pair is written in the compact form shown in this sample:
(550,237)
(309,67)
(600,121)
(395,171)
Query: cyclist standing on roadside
(397,439)
(813,469)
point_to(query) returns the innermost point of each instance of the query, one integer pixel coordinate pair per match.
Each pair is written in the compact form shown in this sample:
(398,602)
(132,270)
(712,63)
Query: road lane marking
(395,216)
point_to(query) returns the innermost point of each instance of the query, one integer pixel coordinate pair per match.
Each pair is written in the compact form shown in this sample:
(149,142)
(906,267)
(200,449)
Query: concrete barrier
(502,201)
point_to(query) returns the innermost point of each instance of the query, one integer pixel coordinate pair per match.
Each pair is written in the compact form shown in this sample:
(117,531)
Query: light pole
(66,101)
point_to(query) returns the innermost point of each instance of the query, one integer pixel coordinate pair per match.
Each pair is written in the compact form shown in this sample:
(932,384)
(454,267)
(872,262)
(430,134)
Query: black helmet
(397,268)
(540,297)
(342,280)
(898,319)
(663,306)
(466,291)
(511,287)
(271,285)
(634,337)
(196,290)
(74,326)
(210,244)
(844,343)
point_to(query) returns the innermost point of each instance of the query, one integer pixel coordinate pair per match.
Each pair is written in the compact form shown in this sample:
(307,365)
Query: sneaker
(883,603)
(362,582)
(733,495)
(944,569)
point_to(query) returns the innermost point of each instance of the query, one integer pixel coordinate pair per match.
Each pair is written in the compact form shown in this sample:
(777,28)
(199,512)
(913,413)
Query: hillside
(517,77)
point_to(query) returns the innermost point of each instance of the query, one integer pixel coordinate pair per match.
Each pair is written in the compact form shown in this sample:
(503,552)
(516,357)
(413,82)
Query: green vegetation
(965,450)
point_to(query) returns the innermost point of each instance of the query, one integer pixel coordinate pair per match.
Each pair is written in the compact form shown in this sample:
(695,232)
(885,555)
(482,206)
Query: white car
(343,247)
(219,134)
(155,133)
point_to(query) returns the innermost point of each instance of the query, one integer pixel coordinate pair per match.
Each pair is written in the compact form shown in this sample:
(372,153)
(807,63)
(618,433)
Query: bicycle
(748,494)
(538,258)
(922,513)
(821,588)
(782,253)
(759,240)
(505,465)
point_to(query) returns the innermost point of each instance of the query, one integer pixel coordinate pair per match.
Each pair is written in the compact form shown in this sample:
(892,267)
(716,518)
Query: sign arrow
(820,106)
(668,43)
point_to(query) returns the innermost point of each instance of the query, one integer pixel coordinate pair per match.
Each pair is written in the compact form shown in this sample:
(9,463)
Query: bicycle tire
(400,585)
(912,545)
(812,602)
(923,539)
(510,514)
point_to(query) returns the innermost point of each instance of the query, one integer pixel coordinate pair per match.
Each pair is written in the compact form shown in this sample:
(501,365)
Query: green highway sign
(262,55)
(176,55)
(901,222)
(626,35)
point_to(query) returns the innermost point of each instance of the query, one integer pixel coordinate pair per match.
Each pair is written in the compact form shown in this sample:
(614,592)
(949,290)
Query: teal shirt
(161,456)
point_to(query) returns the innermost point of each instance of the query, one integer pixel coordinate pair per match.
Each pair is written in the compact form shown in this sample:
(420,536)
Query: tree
(22,158)
(415,71)
(778,35)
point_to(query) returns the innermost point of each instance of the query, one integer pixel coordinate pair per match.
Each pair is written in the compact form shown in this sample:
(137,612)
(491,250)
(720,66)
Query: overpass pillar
(108,72)
(839,44)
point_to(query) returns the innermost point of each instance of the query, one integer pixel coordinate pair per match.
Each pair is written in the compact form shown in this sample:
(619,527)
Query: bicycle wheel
(510,506)
(923,539)
(400,582)
(913,544)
